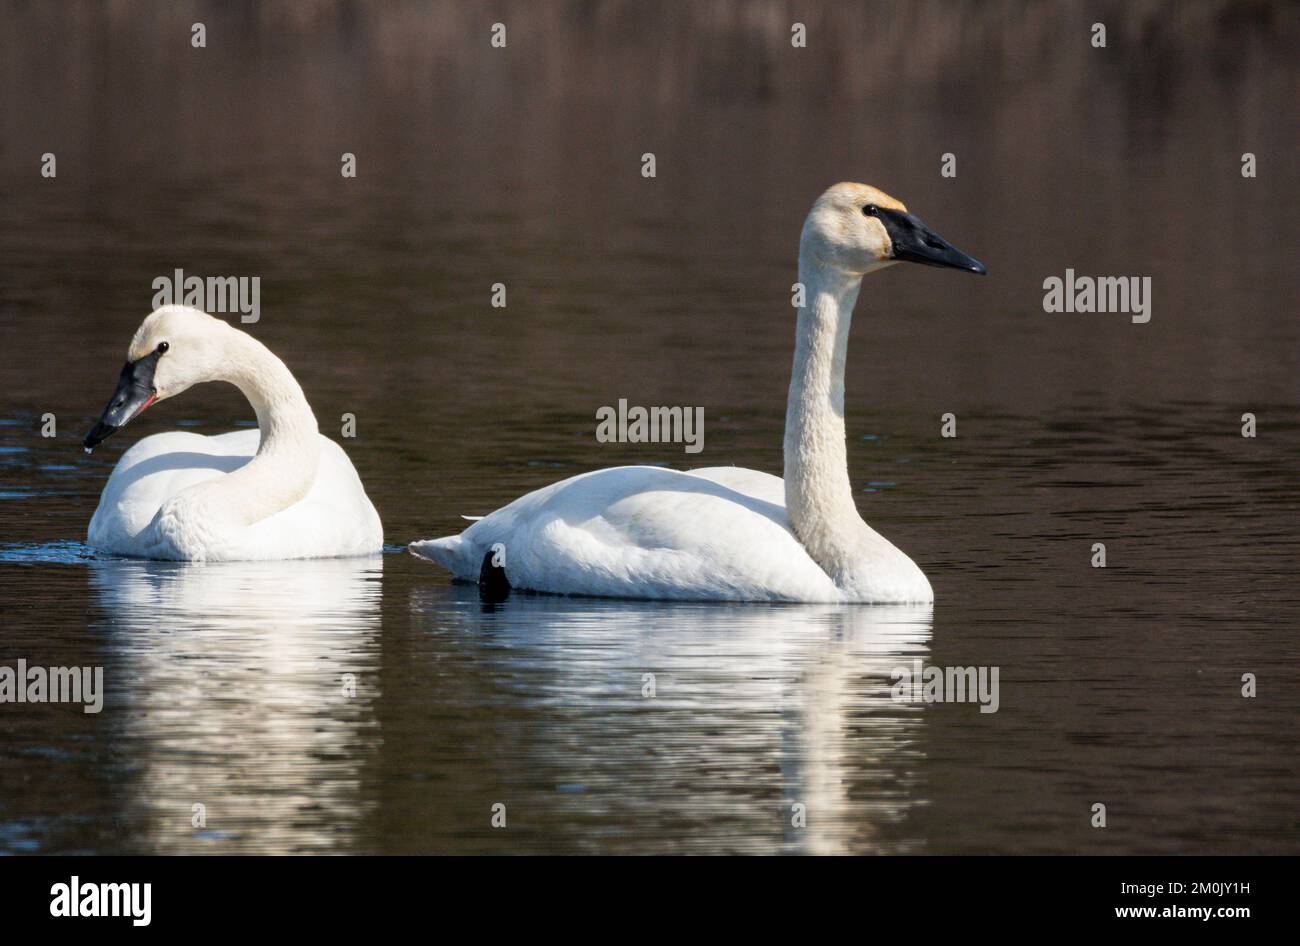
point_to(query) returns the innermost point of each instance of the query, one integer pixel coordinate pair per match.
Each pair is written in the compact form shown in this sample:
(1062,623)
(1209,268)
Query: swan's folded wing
(645,532)
(154,470)
(754,483)
(334,519)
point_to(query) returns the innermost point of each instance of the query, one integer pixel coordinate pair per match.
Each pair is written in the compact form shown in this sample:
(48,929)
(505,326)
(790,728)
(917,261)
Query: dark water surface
(225,682)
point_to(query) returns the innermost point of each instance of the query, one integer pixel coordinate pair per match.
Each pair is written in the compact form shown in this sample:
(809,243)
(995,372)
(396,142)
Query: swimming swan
(725,533)
(281,491)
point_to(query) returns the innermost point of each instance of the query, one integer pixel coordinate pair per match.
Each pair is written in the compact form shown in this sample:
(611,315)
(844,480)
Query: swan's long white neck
(288,455)
(818,492)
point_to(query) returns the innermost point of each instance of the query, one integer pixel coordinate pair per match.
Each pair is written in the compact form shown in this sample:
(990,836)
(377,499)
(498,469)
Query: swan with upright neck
(281,491)
(724,533)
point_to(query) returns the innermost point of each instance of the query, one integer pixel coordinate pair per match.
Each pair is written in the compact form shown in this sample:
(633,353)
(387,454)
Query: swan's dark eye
(869,210)
(162,347)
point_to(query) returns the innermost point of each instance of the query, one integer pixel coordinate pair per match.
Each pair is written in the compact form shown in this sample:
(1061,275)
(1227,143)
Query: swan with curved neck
(281,491)
(724,533)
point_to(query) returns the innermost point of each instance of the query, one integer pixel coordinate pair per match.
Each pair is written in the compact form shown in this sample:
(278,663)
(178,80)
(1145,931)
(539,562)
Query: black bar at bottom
(336,895)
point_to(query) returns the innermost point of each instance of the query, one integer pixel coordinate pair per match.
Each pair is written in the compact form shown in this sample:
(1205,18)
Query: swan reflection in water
(231,695)
(756,709)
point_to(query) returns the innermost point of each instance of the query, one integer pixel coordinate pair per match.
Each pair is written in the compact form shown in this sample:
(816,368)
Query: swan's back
(646,532)
(334,519)
(154,470)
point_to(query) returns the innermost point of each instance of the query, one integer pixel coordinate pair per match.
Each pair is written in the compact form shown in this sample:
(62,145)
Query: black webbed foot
(493,585)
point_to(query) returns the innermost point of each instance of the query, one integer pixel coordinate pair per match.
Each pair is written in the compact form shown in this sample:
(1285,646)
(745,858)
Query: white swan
(724,533)
(281,491)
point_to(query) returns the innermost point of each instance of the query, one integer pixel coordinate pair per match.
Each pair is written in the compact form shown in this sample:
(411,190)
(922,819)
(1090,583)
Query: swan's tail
(451,552)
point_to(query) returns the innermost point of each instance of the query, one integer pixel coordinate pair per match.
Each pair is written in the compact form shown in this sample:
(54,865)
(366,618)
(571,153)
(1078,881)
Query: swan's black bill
(916,243)
(135,392)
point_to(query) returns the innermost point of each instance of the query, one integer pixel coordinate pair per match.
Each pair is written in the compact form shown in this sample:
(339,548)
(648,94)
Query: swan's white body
(152,505)
(716,534)
(722,533)
(280,492)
